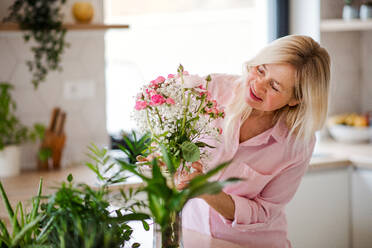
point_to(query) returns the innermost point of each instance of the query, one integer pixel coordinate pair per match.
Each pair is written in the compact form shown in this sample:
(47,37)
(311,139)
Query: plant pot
(349,12)
(365,12)
(171,235)
(10,161)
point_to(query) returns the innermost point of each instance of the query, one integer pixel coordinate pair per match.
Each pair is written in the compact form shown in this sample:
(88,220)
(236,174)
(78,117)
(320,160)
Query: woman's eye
(273,86)
(260,70)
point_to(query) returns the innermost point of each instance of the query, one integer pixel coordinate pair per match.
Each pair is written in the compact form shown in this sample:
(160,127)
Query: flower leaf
(190,151)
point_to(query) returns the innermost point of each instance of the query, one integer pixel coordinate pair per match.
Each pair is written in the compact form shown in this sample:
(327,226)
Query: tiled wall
(83,61)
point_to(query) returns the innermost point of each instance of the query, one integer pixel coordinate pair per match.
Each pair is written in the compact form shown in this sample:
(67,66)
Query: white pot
(349,12)
(365,12)
(10,161)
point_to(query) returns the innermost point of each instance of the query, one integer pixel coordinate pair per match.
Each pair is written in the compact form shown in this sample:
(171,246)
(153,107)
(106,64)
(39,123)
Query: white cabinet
(362,208)
(319,213)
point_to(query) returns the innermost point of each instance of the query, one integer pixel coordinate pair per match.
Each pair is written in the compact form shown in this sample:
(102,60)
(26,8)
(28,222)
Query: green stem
(157,113)
(185,113)
(149,124)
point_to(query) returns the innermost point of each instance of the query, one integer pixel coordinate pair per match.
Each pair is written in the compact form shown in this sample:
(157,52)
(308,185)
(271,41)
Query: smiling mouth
(253,96)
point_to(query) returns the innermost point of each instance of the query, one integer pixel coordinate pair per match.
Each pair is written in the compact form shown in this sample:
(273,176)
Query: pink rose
(140,105)
(153,84)
(170,101)
(159,80)
(157,100)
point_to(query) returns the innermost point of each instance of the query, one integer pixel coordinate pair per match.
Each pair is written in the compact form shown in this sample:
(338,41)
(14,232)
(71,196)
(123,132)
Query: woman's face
(270,87)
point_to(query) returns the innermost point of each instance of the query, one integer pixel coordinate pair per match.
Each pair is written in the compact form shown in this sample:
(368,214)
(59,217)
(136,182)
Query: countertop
(330,154)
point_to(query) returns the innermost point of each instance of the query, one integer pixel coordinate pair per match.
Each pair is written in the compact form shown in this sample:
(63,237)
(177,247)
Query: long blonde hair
(312,64)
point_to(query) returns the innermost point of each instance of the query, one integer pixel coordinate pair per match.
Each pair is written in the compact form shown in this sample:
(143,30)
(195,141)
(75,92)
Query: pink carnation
(157,100)
(140,105)
(170,101)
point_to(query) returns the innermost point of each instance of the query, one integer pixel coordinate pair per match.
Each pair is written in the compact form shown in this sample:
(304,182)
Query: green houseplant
(42,21)
(164,201)
(25,226)
(76,215)
(12,133)
(132,145)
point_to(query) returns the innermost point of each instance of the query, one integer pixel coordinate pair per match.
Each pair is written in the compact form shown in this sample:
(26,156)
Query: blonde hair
(312,65)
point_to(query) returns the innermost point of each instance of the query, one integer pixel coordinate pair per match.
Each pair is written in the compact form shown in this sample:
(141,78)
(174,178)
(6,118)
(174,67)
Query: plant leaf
(190,151)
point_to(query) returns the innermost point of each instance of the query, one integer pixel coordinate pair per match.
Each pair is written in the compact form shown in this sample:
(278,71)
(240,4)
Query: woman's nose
(261,84)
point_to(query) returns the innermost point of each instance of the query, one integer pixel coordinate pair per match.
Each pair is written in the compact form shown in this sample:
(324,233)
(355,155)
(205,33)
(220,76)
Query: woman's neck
(261,114)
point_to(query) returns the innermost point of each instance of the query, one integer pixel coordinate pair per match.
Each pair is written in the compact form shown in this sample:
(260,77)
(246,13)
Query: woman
(272,113)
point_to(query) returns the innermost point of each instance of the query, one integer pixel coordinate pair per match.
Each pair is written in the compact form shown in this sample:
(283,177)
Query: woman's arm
(222,203)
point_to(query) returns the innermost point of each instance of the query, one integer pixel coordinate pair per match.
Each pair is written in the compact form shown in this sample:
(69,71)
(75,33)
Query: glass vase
(171,235)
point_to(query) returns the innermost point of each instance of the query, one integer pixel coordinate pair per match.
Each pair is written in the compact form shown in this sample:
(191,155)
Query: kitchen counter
(329,154)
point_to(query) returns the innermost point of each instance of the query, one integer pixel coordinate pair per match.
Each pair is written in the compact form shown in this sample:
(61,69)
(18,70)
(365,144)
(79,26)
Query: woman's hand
(183,177)
(149,158)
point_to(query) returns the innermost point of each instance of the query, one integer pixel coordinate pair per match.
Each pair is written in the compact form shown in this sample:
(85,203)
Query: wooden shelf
(69,26)
(338,25)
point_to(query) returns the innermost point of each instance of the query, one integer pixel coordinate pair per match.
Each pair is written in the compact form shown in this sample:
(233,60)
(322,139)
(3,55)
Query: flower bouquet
(179,113)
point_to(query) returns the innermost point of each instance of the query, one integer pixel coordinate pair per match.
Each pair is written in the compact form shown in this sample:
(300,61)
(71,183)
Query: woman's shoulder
(299,151)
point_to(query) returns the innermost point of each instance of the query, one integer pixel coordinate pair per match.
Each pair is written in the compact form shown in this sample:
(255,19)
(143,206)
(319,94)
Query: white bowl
(350,134)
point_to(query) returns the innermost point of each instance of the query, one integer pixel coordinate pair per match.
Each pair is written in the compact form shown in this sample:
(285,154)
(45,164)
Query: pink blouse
(271,174)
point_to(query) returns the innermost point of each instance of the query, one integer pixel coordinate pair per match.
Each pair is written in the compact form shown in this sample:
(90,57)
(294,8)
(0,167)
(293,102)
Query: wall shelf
(338,25)
(69,26)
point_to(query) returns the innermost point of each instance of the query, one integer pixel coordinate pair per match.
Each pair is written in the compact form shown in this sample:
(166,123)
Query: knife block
(54,140)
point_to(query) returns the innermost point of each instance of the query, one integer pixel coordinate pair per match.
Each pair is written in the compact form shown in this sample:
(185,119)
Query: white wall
(83,61)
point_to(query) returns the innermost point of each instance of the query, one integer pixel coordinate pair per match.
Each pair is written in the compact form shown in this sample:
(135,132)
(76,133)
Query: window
(214,36)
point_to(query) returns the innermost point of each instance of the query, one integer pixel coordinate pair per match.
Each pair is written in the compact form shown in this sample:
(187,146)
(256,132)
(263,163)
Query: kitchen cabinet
(362,208)
(319,214)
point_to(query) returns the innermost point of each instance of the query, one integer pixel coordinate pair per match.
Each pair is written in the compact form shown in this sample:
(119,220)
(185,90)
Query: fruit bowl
(350,134)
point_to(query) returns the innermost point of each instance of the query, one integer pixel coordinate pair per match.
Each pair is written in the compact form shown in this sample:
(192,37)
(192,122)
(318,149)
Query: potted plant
(12,133)
(365,11)
(76,215)
(349,11)
(42,21)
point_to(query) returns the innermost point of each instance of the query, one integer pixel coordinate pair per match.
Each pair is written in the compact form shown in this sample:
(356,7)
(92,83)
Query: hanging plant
(42,21)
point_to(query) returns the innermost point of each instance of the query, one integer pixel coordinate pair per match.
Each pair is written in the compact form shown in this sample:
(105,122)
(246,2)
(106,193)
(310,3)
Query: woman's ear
(293,102)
